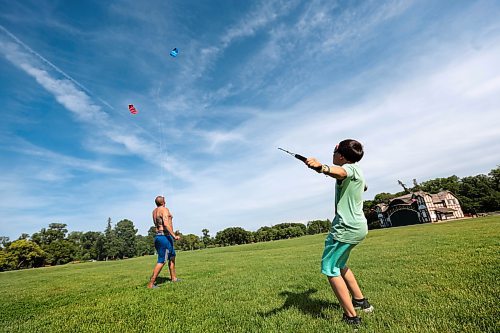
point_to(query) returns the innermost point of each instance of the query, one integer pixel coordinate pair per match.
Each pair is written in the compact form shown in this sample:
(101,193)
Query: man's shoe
(351,320)
(362,304)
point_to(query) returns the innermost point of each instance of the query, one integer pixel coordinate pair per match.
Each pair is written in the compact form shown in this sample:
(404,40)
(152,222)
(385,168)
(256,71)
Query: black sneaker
(351,320)
(363,304)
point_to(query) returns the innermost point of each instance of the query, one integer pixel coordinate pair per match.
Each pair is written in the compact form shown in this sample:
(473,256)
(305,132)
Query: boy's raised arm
(329,170)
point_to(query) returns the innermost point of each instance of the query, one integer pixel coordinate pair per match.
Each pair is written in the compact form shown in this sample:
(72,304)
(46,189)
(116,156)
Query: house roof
(421,193)
(407,199)
(438,197)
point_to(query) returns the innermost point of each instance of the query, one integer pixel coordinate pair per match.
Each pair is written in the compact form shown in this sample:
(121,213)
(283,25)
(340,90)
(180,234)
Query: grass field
(426,278)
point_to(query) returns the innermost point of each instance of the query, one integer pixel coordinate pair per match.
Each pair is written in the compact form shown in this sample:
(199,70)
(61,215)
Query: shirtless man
(164,241)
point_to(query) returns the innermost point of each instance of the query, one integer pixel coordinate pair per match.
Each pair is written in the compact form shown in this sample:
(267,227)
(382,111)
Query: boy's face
(336,156)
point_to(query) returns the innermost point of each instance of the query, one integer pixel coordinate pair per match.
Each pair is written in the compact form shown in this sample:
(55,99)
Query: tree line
(55,246)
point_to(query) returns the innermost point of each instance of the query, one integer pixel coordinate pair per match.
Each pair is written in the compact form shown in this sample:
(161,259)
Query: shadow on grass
(162,280)
(303,302)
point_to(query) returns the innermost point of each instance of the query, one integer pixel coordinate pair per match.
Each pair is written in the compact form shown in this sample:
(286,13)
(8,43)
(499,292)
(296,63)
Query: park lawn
(424,278)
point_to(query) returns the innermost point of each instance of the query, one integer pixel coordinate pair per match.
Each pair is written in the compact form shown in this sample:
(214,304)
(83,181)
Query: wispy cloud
(68,92)
(21,146)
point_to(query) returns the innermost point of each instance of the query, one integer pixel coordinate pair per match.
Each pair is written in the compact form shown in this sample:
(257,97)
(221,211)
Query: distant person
(164,241)
(349,227)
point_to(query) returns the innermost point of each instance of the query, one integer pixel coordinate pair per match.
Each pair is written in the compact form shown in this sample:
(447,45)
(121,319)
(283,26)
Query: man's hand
(313,163)
(177,237)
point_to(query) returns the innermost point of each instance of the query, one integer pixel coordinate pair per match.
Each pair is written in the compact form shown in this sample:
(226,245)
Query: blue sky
(417,82)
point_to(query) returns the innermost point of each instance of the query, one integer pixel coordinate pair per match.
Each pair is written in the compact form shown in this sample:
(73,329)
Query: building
(419,207)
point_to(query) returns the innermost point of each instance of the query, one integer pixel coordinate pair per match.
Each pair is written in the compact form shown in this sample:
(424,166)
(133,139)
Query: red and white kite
(132,109)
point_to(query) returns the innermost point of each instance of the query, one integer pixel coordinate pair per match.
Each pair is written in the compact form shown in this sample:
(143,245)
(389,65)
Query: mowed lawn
(426,278)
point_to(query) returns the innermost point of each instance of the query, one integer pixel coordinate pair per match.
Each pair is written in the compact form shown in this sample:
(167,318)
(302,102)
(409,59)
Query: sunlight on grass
(426,278)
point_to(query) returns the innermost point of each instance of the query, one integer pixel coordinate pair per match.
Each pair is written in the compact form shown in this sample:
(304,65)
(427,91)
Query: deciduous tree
(24,254)
(232,236)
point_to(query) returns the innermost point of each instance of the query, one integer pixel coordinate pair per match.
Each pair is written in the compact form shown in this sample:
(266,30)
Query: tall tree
(100,246)
(56,231)
(125,233)
(60,252)
(111,243)
(206,237)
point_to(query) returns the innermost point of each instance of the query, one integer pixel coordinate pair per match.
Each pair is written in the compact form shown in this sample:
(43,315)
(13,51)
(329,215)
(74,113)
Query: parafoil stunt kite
(132,109)
(174,52)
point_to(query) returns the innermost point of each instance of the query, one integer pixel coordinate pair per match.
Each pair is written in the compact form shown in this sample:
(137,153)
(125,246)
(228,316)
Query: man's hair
(159,201)
(352,150)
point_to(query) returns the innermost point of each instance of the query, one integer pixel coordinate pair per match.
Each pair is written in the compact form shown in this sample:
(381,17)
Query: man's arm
(168,223)
(329,170)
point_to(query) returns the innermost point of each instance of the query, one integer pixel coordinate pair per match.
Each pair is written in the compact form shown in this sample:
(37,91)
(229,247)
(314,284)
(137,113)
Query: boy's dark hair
(352,150)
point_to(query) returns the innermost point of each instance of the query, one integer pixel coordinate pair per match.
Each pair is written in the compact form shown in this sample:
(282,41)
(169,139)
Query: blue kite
(174,52)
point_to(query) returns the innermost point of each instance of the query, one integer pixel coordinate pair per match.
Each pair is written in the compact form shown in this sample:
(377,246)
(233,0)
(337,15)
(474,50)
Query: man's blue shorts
(335,256)
(164,246)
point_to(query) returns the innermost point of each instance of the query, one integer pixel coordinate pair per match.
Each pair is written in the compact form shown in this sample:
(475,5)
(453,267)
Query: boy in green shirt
(349,226)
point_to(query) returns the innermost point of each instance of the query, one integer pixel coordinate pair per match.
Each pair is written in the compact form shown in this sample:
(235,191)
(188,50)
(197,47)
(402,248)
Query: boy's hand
(313,163)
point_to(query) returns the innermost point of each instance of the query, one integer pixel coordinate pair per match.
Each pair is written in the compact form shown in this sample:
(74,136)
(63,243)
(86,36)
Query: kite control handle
(304,159)
(301,158)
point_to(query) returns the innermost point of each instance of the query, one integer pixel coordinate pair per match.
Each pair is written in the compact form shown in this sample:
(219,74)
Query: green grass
(426,278)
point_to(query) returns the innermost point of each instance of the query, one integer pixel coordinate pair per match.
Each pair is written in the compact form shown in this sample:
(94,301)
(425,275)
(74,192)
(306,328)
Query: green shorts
(335,256)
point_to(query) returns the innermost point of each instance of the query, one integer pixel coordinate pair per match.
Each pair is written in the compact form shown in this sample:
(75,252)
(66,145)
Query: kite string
(162,147)
(165,174)
(161,132)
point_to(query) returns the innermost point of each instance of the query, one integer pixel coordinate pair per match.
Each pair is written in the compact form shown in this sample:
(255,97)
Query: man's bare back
(162,218)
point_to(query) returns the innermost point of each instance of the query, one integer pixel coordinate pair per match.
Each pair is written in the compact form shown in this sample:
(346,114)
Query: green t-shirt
(349,224)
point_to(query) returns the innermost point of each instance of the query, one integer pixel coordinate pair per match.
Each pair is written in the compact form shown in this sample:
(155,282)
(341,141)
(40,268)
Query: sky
(417,82)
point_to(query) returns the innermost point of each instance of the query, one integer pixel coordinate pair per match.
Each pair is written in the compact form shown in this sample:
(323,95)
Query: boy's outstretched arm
(329,170)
